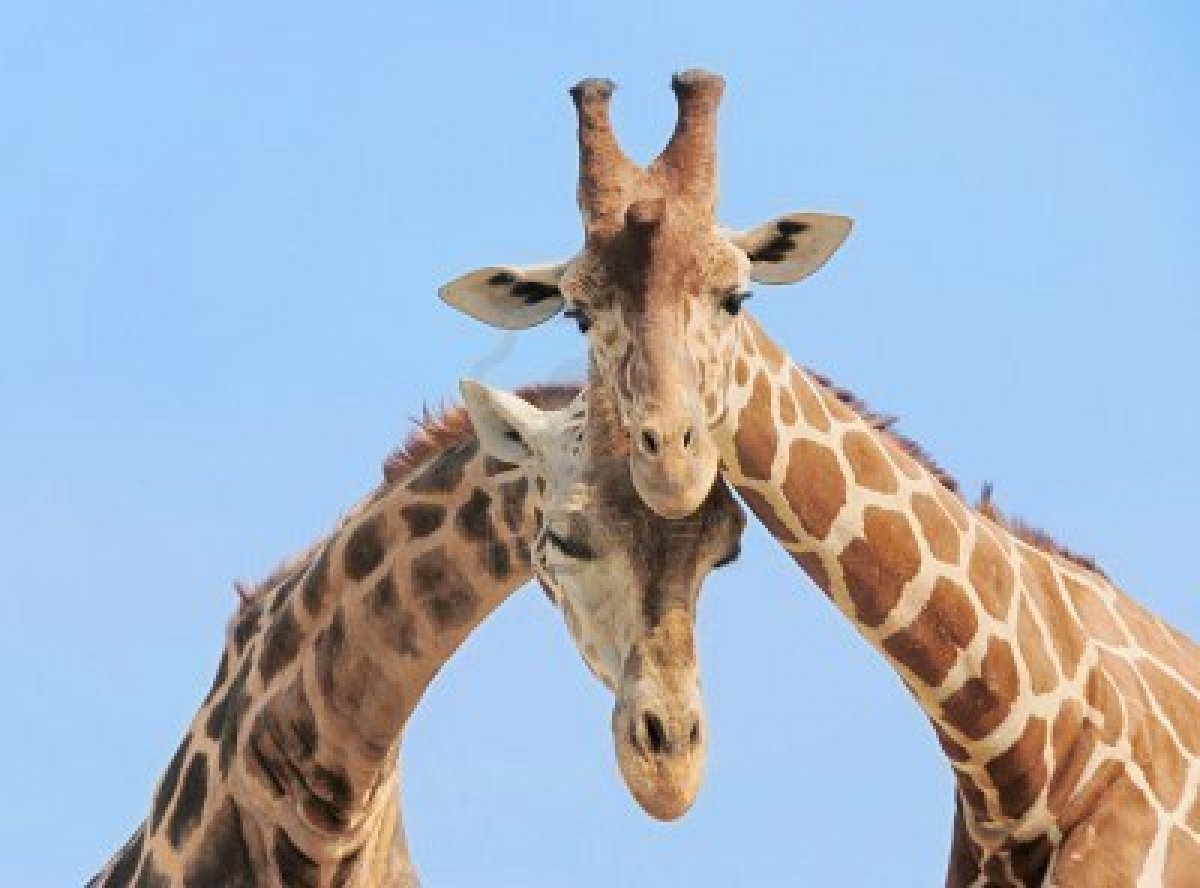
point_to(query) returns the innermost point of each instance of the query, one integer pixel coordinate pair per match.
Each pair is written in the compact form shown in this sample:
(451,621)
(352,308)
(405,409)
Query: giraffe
(289,772)
(1069,715)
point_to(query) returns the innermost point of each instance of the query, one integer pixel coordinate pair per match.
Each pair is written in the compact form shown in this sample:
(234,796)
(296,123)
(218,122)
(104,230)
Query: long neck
(971,618)
(289,772)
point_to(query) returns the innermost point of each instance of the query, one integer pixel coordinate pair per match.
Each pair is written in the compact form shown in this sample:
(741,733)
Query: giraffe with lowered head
(288,774)
(1070,715)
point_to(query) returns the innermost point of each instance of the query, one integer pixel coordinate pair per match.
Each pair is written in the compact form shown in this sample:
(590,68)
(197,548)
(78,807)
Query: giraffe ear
(790,248)
(508,296)
(509,428)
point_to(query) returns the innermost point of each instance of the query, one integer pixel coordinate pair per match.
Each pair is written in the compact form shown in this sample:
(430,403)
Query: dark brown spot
(512,501)
(189,806)
(930,645)
(365,548)
(125,865)
(346,869)
(983,702)
(226,718)
(247,625)
(296,869)
(167,785)
(315,581)
(812,564)
(279,646)
(398,625)
(222,856)
(879,564)
(219,679)
(445,472)
(423,518)
(150,876)
(1019,773)
(444,591)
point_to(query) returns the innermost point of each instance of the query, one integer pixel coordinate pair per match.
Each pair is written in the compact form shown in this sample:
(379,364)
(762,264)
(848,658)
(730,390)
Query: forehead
(639,266)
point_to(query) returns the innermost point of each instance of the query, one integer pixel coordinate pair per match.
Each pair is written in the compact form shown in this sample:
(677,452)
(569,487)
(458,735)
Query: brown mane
(435,431)
(883,423)
(438,430)
(1034,536)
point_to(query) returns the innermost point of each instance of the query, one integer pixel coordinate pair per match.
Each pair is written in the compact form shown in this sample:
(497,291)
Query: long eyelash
(733,302)
(729,558)
(571,548)
(578,316)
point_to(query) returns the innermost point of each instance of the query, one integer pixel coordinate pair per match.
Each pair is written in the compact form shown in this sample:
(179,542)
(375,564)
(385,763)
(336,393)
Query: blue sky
(221,230)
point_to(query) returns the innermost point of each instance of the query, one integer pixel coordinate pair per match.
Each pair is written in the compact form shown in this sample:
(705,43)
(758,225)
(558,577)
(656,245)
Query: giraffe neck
(289,773)
(971,618)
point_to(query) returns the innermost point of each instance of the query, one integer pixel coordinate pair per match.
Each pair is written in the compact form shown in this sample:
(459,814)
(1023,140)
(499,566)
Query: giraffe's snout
(673,461)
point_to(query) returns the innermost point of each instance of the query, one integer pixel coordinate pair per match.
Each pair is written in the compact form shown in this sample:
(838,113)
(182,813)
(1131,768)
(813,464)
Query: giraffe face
(627,583)
(656,288)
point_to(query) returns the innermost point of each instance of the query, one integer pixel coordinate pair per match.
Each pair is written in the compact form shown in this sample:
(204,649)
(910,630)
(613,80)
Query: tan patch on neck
(1127,824)
(939,530)
(1183,858)
(815,486)
(1040,581)
(1093,612)
(991,575)
(814,414)
(880,563)
(787,407)
(1073,743)
(871,468)
(755,442)
(1042,676)
(1161,760)
(1177,704)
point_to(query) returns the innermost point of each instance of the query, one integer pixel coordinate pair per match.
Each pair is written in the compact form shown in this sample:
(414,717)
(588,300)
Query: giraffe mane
(1034,536)
(1027,533)
(436,430)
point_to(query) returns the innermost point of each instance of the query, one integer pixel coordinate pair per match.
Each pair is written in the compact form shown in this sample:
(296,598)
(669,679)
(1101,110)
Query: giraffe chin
(663,771)
(677,491)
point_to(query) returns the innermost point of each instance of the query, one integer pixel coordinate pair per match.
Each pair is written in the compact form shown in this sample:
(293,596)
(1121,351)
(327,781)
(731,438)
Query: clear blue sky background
(221,229)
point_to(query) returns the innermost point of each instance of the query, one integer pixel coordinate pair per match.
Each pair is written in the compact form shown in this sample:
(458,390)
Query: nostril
(649,442)
(687,438)
(656,734)
(694,735)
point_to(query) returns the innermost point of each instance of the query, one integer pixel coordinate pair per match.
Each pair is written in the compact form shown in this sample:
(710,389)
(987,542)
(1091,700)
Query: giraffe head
(656,286)
(627,583)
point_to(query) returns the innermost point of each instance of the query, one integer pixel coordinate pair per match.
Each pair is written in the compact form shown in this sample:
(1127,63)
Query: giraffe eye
(571,548)
(733,302)
(580,318)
